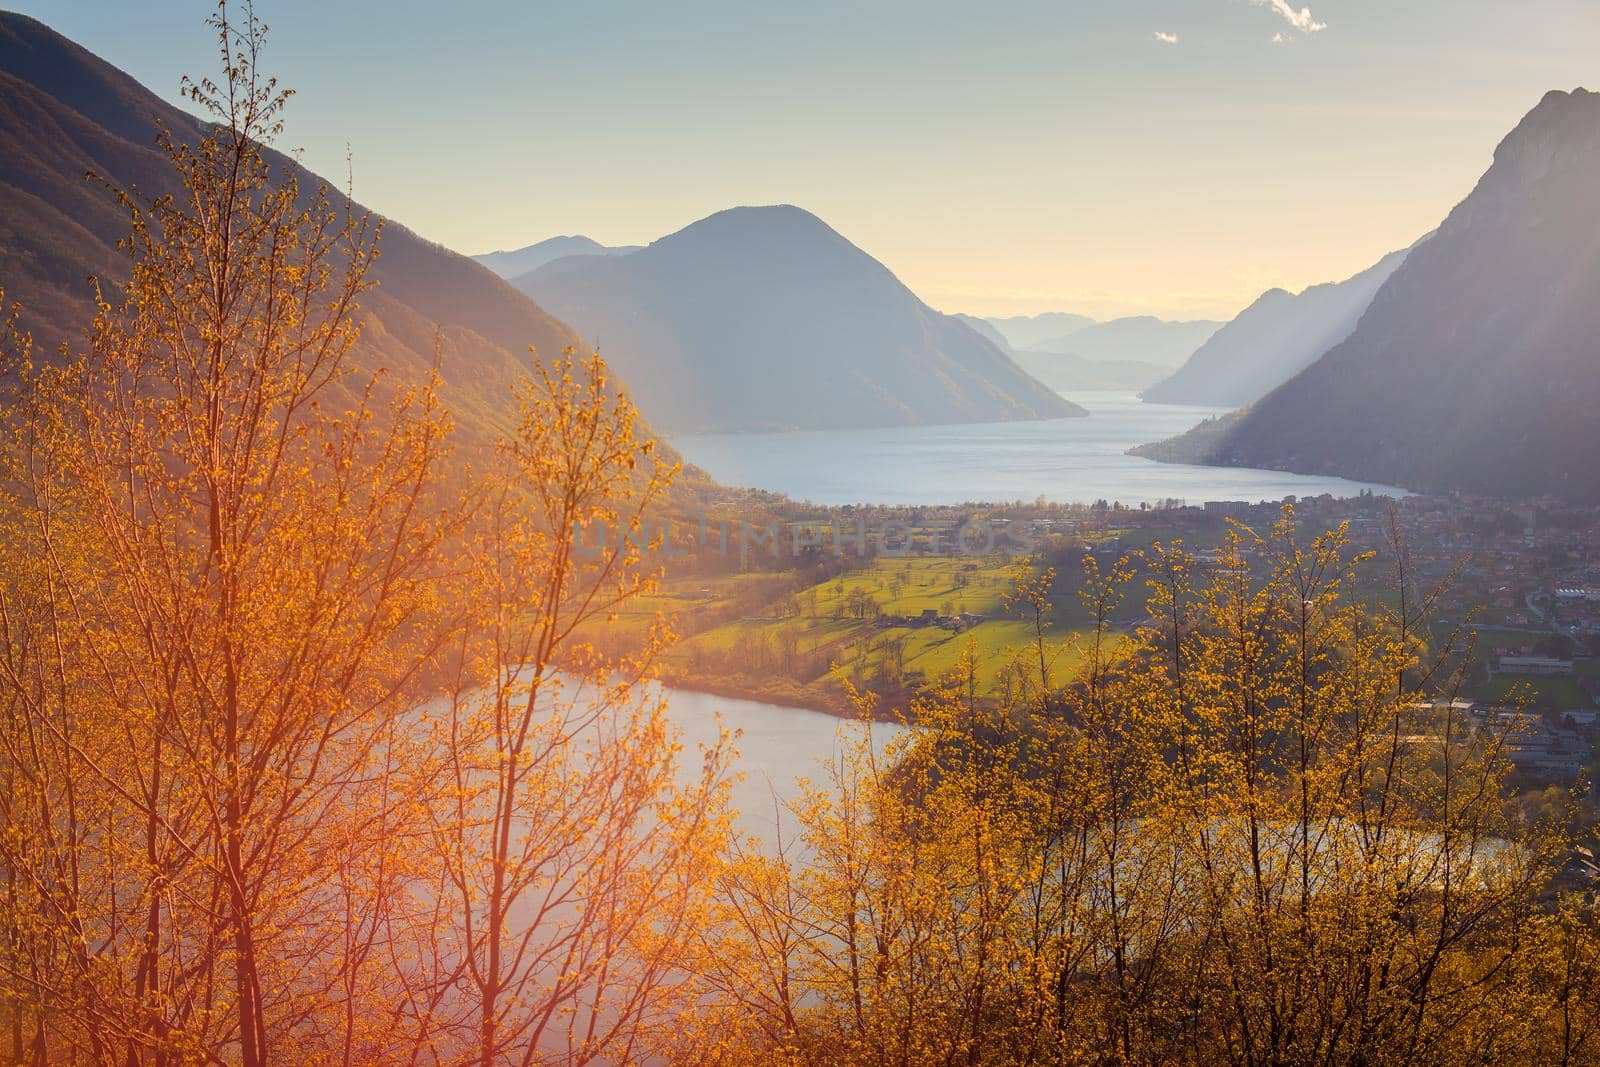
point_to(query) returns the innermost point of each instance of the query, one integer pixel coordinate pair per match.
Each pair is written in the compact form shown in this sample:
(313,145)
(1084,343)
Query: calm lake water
(777,746)
(1063,460)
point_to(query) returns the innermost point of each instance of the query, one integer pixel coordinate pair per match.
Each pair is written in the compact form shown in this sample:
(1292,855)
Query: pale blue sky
(1000,158)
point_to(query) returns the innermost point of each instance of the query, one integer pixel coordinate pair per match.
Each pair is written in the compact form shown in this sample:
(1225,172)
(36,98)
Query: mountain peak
(1564,126)
(514,263)
(761,224)
(570,240)
(1474,367)
(766,317)
(761,215)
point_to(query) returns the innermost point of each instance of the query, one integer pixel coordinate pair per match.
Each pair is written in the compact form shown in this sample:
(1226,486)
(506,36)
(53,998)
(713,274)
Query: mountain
(1068,371)
(1477,367)
(65,112)
(766,318)
(986,329)
(1025,331)
(1139,338)
(512,265)
(1272,340)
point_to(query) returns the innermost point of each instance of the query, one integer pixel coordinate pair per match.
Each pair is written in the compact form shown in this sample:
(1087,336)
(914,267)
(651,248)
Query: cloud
(1166,38)
(1300,20)
(1279,38)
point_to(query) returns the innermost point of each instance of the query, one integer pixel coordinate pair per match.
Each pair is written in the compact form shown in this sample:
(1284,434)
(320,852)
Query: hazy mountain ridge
(1024,331)
(513,264)
(1272,340)
(767,318)
(986,329)
(1135,338)
(1067,371)
(1477,366)
(65,112)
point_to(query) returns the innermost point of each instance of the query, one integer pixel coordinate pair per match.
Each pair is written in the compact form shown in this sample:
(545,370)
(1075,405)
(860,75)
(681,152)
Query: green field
(761,635)
(1555,693)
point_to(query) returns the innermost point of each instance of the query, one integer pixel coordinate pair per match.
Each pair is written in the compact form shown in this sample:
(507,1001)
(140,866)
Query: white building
(1542,666)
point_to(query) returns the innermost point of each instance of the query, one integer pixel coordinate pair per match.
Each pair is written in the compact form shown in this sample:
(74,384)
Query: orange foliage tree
(234,829)
(1249,828)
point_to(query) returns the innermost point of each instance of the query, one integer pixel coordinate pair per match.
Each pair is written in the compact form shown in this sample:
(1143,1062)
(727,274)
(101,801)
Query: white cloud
(1279,38)
(1166,38)
(1300,20)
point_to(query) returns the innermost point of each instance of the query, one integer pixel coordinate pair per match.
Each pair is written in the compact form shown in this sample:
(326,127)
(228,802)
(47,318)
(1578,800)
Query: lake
(1063,460)
(777,746)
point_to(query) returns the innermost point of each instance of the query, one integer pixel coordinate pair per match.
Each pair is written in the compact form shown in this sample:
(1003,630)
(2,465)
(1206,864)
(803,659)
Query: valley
(800,624)
(953,536)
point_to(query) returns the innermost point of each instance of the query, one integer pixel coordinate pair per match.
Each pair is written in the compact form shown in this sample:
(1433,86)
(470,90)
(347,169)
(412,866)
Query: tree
(236,827)
(571,862)
(221,574)
(1245,830)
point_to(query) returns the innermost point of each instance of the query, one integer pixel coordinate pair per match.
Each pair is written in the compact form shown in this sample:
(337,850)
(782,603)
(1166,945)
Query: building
(1457,707)
(1538,750)
(1538,666)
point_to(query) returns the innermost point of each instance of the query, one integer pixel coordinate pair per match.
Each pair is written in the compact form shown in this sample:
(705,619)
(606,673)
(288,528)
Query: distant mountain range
(1074,352)
(1065,372)
(766,318)
(1477,365)
(512,265)
(1025,331)
(1272,340)
(64,113)
(1138,338)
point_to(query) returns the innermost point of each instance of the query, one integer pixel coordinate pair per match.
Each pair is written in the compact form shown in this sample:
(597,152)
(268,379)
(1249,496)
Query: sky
(1109,157)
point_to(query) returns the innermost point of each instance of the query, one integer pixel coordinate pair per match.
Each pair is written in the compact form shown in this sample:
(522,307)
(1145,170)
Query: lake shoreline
(892,709)
(1062,460)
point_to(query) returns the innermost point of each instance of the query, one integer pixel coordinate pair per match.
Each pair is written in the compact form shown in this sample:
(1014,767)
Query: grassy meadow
(786,638)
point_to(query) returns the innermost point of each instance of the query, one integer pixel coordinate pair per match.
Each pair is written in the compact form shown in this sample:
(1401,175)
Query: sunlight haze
(1067,156)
